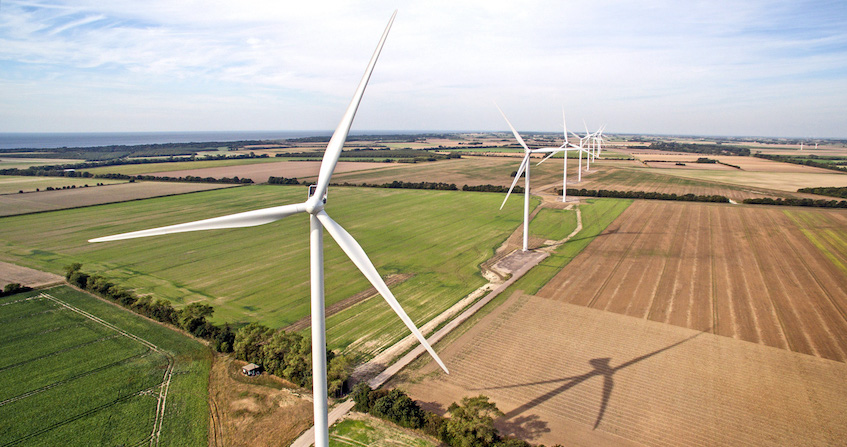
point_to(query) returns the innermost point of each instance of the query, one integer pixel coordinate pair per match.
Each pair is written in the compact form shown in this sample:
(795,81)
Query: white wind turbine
(523,167)
(582,148)
(318,219)
(564,148)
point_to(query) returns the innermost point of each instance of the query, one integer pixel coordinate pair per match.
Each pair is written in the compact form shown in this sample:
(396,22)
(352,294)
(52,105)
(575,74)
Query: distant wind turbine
(564,148)
(524,167)
(318,220)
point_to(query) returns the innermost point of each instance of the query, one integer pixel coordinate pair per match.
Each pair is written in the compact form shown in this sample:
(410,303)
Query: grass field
(12,184)
(261,273)
(553,224)
(362,430)
(100,386)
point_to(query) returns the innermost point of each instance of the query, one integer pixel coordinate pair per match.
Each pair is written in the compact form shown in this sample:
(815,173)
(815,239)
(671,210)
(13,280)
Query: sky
(745,68)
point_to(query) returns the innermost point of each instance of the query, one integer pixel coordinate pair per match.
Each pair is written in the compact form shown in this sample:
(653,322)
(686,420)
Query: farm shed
(251,369)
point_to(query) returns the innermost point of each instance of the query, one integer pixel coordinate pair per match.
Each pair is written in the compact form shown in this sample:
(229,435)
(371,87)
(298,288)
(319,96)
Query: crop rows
(744,272)
(67,372)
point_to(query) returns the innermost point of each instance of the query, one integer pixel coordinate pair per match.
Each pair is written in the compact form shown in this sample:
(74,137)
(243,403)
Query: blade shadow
(600,367)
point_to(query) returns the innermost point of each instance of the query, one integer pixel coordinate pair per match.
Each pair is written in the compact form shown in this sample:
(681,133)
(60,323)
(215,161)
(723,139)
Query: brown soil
(11,273)
(253,411)
(744,272)
(578,376)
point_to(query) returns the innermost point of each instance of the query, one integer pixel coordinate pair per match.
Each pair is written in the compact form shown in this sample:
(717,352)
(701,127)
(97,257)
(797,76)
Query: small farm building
(251,369)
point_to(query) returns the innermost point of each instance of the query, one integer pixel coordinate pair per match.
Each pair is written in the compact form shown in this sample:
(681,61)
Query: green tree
(249,340)
(471,423)
(70,269)
(193,316)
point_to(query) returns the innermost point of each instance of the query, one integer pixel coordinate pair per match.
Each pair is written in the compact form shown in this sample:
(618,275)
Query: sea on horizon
(44,140)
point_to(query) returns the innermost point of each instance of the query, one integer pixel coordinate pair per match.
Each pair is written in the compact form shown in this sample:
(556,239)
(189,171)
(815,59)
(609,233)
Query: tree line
(56,172)
(471,421)
(695,148)
(284,354)
(396,184)
(806,161)
(115,151)
(791,201)
(833,191)
(13,288)
(645,195)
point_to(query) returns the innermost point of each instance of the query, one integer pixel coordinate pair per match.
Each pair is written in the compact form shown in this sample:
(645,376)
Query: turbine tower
(318,221)
(523,167)
(565,147)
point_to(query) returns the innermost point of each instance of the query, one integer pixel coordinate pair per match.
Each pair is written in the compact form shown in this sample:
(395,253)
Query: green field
(261,273)
(67,379)
(553,224)
(369,431)
(12,184)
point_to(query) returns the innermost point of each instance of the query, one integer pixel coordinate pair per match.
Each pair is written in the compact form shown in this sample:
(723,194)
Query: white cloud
(651,66)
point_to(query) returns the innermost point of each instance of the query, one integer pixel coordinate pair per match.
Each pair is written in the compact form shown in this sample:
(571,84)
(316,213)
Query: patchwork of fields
(261,273)
(657,180)
(761,274)
(70,377)
(14,204)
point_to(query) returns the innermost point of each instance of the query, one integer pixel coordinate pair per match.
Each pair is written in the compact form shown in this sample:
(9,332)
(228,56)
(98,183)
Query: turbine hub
(314,205)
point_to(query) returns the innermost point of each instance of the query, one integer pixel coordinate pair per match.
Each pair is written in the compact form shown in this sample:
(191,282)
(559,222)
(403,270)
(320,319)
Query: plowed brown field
(608,176)
(767,275)
(568,374)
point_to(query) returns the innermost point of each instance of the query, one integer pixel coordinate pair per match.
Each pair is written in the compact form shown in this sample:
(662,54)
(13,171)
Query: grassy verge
(363,430)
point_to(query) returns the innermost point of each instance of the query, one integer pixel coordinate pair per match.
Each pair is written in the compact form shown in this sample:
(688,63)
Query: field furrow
(758,274)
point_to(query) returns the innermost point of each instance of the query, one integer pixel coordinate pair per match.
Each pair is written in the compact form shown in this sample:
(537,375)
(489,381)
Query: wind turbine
(564,148)
(318,220)
(524,167)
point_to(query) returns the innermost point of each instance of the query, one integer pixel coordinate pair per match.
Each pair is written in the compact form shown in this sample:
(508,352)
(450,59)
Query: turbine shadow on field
(600,367)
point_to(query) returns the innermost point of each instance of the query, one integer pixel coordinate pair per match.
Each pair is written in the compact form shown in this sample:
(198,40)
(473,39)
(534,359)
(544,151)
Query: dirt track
(579,376)
(745,272)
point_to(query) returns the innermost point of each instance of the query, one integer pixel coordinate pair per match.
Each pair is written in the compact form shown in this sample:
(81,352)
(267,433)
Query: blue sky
(757,67)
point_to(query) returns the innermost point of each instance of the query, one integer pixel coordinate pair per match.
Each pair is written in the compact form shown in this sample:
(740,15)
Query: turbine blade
(515,132)
(565,123)
(356,254)
(336,143)
(515,181)
(246,219)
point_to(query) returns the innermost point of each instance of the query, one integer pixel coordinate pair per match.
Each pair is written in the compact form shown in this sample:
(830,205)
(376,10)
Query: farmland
(260,173)
(261,273)
(103,381)
(12,184)
(14,204)
(564,373)
(467,170)
(764,275)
